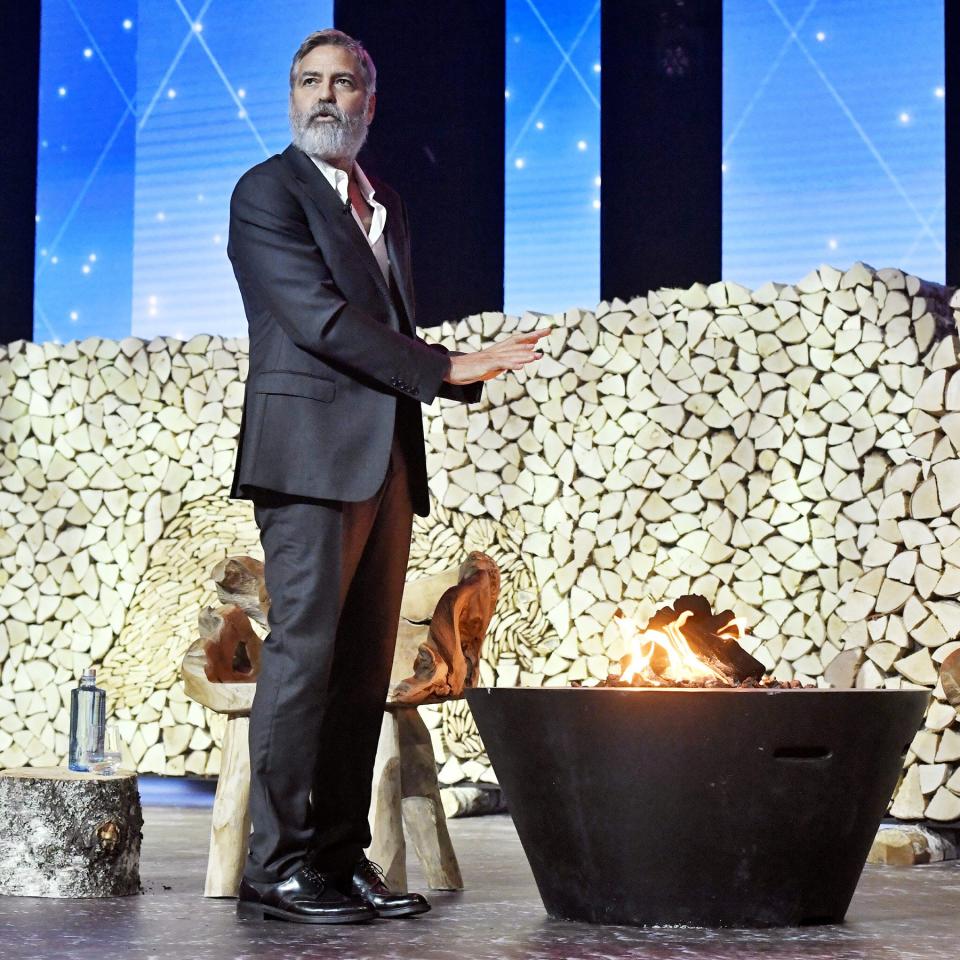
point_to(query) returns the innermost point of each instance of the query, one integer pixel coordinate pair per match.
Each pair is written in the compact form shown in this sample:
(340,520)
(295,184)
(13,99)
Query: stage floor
(898,913)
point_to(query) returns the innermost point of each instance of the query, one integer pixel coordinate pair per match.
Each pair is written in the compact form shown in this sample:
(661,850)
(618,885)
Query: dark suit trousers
(335,573)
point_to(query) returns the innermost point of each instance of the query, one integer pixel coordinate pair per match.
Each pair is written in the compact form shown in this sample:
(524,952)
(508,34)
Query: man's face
(330,109)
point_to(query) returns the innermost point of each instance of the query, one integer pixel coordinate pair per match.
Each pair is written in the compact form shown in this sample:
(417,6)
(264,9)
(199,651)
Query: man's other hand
(510,354)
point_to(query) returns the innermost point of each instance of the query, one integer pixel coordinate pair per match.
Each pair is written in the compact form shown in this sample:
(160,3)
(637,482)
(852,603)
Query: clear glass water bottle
(88,716)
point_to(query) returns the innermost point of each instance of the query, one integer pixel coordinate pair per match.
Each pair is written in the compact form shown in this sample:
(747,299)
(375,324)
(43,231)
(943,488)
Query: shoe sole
(260,911)
(399,912)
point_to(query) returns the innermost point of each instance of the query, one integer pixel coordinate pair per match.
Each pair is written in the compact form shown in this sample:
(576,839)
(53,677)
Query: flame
(682,662)
(736,628)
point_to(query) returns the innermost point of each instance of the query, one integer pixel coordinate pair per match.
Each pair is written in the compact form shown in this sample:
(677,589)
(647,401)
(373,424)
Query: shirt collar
(339,180)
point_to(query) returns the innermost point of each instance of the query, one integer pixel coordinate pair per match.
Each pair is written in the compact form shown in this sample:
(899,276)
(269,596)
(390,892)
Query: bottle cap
(90,673)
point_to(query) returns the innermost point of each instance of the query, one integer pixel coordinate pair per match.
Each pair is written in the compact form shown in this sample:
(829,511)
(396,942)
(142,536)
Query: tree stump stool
(405,791)
(443,620)
(69,834)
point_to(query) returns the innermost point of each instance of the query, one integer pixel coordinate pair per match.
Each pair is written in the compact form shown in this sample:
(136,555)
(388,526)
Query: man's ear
(371,106)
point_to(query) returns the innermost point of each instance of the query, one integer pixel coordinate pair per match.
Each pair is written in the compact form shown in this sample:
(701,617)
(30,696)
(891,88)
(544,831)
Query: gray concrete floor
(897,913)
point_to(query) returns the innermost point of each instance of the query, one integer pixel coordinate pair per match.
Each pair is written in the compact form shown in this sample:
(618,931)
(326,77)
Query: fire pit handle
(802,753)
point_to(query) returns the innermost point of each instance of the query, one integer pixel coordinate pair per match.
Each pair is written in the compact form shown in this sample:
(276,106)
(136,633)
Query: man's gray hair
(337,38)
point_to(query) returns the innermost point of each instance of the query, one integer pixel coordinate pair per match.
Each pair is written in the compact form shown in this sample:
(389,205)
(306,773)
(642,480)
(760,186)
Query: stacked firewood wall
(788,452)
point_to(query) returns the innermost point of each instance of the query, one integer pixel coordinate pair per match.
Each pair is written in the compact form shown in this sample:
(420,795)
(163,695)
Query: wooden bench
(406,793)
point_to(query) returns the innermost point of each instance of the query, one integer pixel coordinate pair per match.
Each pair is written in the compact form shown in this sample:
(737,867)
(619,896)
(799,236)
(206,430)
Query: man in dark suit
(331,454)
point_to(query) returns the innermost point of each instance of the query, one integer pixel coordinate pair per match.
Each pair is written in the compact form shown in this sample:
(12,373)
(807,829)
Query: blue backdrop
(833,137)
(151,109)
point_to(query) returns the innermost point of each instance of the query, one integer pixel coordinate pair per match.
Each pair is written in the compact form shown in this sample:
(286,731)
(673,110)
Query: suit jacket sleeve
(272,248)
(464,393)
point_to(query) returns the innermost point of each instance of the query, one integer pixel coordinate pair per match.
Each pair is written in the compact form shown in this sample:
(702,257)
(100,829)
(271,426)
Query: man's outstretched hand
(510,354)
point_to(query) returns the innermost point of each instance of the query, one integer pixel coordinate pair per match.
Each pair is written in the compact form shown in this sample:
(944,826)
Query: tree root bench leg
(230,824)
(406,794)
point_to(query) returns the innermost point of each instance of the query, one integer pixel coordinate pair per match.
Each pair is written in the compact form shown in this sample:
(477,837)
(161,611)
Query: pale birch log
(69,834)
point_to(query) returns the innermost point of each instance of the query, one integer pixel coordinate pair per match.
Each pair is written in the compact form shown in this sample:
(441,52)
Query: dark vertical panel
(952,121)
(437,138)
(661,127)
(19,76)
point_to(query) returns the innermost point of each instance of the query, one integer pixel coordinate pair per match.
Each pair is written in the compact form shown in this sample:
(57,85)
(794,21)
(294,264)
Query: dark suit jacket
(334,357)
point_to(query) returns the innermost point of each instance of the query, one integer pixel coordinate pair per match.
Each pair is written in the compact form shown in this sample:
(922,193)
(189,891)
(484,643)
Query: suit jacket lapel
(396,251)
(331,206)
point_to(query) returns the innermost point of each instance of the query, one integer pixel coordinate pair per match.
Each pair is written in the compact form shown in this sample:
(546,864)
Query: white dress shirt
(339,180)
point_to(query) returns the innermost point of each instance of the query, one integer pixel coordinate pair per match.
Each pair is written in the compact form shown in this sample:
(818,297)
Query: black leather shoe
(368,883)
(307,896)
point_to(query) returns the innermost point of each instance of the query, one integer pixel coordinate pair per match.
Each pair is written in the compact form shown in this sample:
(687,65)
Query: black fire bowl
(707,808)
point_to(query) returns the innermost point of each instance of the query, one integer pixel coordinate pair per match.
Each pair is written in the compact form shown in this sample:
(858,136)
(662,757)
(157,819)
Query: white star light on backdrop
(537,171)
(88,53)
(566,61)
(904,118)
(93,51)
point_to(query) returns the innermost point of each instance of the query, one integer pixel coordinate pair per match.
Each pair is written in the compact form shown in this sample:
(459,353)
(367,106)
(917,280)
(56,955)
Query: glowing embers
(687,645)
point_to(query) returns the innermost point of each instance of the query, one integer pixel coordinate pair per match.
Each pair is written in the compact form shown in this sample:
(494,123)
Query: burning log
(688,645)
(712,637)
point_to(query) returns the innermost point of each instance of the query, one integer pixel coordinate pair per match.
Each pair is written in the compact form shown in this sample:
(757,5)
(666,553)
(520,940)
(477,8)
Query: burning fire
(687,644)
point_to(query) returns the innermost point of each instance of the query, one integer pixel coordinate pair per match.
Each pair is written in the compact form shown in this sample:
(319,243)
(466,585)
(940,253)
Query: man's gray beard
(340,139)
